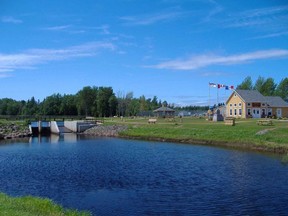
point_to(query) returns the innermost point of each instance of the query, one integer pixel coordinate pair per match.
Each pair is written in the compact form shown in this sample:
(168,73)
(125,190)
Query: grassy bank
(30,206)
(200,131)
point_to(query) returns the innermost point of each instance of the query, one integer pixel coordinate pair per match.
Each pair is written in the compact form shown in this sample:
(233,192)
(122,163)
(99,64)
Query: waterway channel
(110,176)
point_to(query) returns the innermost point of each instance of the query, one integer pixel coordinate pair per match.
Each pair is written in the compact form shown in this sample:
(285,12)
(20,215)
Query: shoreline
(13,131)
(222,144)
(117,130)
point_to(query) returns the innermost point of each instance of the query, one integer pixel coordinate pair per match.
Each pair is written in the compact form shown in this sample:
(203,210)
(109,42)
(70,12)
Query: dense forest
(89,101)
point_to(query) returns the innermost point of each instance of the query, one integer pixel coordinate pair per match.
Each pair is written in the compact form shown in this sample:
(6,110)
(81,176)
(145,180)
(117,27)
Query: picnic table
(150,121)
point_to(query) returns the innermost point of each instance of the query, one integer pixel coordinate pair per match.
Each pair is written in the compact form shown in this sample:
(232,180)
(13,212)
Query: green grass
(191,130)
(30,206)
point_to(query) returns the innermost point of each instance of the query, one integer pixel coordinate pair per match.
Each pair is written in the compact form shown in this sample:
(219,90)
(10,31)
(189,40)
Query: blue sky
(168,48)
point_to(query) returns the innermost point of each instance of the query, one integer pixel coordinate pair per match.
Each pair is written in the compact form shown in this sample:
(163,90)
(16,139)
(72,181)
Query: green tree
(121,103)
(31,107)
(282,89)
(10,107)
(246,84)
(127,101)
(103,96)
(86,100)
(69,105)
(269,87)
(133,107)
(154,103)
(142,104)
(113,105)
(51,105)
(259,84)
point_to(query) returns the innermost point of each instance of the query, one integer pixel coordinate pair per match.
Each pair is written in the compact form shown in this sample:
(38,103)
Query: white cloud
(33,57)
(209,74)
(271,35)
(272,19)
(201,61)
(9,19)
(57,28)
(150,19)
(104,29)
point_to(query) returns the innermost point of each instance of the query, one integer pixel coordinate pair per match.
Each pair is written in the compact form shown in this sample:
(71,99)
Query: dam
(59,127)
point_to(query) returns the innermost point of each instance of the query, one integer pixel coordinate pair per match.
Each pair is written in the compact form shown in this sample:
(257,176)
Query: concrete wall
(54,127)
(84,126)
(78,126)
(71,125)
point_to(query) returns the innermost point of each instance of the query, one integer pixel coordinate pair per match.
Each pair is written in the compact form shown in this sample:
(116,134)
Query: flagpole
(209,97)
(217,95)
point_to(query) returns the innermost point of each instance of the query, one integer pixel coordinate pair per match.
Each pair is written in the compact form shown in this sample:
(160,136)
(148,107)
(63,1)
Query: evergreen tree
(246,84)
(259,84)
(269,87)
(282,89)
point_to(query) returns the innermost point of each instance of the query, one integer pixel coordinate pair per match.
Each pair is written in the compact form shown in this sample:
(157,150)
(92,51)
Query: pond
(110,176)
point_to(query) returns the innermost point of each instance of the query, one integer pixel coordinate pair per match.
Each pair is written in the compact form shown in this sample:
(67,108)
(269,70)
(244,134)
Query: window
(230,112)
(235,105)
(235,95)
(249,104)
(240,112)
(249,111)
(235,112)
(239,104)
(230,105)
(263,104)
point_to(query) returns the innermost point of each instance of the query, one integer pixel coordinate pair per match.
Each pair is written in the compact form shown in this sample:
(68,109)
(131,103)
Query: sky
(171,49)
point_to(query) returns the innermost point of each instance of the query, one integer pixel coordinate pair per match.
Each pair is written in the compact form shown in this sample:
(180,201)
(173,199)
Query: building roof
(164,109)
(251,96)
(276,101)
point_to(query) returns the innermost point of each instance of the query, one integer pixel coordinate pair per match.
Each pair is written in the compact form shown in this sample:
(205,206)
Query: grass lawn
(193,130)
(30,206)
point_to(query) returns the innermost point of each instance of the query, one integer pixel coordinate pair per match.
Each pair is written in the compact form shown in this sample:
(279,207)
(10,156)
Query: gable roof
(164,109)
(276,101)
(251,96)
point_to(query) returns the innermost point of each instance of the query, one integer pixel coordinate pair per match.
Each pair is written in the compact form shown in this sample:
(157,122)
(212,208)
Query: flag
(229,87)
(221,85)
(212,85)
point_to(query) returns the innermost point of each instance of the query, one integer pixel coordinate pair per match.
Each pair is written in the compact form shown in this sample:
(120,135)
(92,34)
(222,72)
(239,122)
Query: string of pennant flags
(219,86)
(214,85)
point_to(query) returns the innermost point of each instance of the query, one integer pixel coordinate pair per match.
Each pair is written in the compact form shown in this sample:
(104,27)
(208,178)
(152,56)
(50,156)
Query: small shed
(164,112)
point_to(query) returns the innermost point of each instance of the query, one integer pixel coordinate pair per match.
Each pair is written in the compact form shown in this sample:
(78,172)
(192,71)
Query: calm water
(126,177)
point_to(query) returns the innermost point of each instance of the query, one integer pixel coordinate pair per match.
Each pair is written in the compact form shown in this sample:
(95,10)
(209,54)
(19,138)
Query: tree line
(266,87)
(89,101)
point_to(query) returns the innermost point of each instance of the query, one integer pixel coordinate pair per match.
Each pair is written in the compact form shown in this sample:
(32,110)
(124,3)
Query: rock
(108,131)
(11,130)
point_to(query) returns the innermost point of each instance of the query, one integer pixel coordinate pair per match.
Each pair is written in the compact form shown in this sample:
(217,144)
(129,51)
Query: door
(256,113)
(279,113)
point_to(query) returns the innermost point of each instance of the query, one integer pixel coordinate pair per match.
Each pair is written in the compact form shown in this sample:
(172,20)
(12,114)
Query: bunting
(214,85)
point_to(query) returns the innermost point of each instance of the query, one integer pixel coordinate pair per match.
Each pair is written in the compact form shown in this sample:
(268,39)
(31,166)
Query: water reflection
(126,177)
(54,138)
